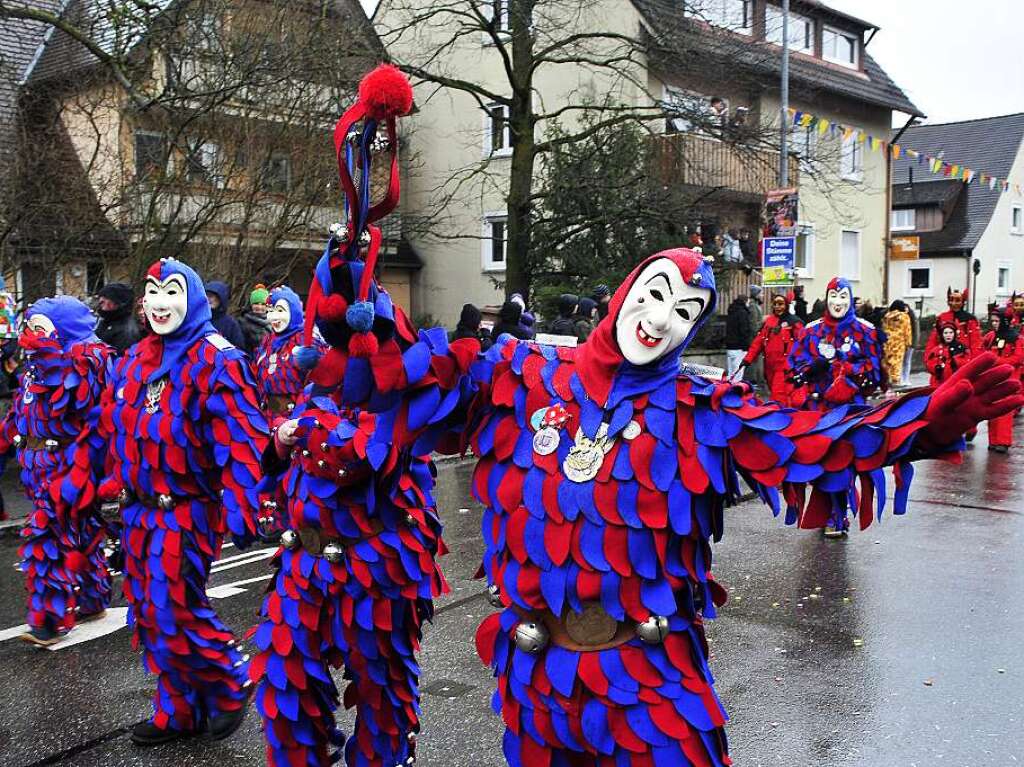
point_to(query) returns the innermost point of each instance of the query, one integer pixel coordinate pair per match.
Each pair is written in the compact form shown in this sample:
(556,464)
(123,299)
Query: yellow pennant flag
(955,171)
(847,132)
(823,126)
(861,137)
(875,143)
(806,120)
(896,151)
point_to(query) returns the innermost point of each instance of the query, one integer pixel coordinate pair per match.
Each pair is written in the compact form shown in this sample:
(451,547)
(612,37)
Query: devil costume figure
(775,338)
(356,575)
(837,360)
(948,356)
(967,328)
(187,434)
(1005,342)
(53,424)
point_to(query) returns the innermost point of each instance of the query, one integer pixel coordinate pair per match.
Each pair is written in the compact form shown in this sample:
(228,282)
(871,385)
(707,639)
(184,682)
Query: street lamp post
(784,109)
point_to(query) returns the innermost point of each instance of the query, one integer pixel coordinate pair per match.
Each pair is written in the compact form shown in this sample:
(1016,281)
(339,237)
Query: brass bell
(653,630)
(18,439)
(494,595)
(290,540)
(333,553)
(531,637)
(165,501)
(51,445)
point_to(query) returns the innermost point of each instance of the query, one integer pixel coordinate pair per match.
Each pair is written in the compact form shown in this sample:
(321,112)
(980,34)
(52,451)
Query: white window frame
(851,158)
(898,222)
(843,271)
(488,264)
(912,292)
(723,13)
(1006,289)
(693,103)
(804,144)
(773,30)
(806,230)
(837,33)
(207,156)
(488,129)
(1017,212)
(504,29)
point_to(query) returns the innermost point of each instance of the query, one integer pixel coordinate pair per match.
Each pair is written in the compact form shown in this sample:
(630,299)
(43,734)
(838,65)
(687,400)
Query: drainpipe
(888,207)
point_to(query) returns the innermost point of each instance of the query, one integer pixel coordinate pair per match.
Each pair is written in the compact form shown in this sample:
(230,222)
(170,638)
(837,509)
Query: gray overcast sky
(955,60)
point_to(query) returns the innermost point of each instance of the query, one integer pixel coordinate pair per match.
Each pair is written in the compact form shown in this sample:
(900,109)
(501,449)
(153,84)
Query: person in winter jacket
(967,327)
(254,323)
(526,319)
(774,340)
(586,318)
(509,322)
(739,333)
(602,295)
(116,309)
(218,294)
(564,324)
(1005,342)
(469,327)
(898,338)
(948,356)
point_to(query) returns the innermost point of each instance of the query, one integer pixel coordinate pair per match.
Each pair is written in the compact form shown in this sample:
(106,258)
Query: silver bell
(338,231)
(269,504)
(305,454)
(341,472)
(165,501)
(380,144)
(653,630)
(531,637)
(51,445)
(333,553)
(323,447)
(410,520)
(18,439)
(290,540)
(494,595)
(364,238)
(290,407)
(321,464)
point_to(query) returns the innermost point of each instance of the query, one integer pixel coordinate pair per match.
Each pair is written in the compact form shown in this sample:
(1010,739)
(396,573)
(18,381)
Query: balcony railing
(703,162)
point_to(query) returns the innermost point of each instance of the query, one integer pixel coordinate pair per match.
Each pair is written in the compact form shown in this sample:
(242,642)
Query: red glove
(979,391)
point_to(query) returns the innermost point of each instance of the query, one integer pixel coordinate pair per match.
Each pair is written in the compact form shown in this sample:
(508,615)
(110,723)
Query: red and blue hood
(168,350)
(73,320)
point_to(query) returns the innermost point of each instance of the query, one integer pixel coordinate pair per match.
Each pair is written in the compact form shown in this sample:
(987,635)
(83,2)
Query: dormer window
(801,30)
(734,15)
(840,47)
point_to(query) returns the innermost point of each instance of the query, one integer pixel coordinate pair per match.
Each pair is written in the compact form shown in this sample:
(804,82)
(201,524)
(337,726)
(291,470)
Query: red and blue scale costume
(357,572)
(187,434)
(628,552)
(278,374)
(53,424)
(836,361)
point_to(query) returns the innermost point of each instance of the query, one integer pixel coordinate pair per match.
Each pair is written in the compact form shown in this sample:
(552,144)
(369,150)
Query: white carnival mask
(659,312)
(165,303)
(42,326)
(838,302)
(280,316)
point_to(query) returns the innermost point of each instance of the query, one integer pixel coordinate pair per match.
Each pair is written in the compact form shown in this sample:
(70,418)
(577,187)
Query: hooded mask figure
(72,320)
(164,350)
(296,318)
(652,318)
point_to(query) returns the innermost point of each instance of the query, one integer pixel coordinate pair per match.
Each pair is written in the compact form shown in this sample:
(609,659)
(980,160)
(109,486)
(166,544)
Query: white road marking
(233,589)
(241,560)
(113,621)
(13,633)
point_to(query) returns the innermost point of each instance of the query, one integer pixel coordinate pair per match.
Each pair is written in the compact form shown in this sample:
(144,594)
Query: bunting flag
(934,164)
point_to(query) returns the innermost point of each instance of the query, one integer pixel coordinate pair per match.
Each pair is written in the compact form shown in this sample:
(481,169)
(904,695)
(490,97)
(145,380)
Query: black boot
(224,725)
(148,734)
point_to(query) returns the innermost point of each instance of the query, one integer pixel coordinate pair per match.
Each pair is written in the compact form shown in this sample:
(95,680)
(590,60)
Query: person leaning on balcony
(739,332)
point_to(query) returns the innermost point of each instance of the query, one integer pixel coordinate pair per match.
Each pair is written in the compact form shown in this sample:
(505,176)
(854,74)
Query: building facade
(970,234)
(463,153)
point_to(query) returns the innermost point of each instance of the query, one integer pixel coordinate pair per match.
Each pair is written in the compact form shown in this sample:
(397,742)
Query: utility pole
(784,110)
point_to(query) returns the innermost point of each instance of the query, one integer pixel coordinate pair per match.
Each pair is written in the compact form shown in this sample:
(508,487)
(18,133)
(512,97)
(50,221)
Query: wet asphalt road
(900,647)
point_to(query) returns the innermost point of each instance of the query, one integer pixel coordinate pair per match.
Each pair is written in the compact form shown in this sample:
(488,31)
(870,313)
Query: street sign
(907,248)
(778,257)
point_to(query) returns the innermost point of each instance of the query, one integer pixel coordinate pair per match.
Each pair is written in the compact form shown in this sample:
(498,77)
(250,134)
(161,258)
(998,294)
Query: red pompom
(330,370)
(76,562)
(386,92)
(363,345)
(332,308)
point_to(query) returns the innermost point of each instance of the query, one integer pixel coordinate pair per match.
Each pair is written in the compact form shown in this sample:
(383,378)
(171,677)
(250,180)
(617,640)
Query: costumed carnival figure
(53,425)
(948,356)
(186,436)
(1003,340)
(280,379)
(837,360)
(775,338)
(356,574)
(605,473)
(967,326)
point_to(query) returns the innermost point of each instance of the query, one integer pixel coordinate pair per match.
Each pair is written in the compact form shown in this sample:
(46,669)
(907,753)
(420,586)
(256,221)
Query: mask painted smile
(165,303)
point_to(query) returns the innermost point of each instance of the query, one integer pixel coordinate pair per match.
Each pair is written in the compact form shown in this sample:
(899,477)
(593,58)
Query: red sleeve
(757,345)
